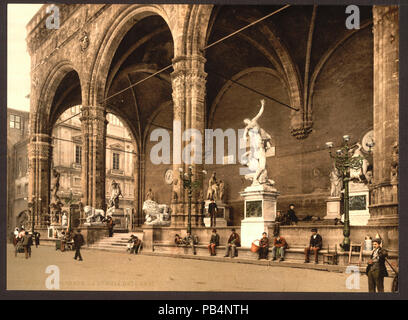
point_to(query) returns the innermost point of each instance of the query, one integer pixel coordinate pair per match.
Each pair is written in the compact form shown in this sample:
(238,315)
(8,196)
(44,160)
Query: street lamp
(344,161)
(189,184)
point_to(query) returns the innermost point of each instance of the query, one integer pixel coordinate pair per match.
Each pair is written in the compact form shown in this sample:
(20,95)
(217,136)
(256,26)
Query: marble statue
(260,142)
(55,184)
(212,191)
(64,220)
(358,173)
(156,214)
(336,182)
(221,190)
(94,215)
(115,193)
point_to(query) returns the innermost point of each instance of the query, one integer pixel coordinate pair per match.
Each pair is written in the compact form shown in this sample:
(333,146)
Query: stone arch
(195,29)
(42,110)
(123,22)
(236,77)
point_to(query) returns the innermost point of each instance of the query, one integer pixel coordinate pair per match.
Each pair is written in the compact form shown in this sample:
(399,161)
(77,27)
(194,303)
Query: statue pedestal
(260,212)
(222,214)
(333,208)
(120,220)
(359,213)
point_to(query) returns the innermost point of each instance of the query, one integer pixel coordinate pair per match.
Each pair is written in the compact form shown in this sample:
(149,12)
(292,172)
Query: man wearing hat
(233,243)
(78,242)
(212,210)
(376,269)
(315,244)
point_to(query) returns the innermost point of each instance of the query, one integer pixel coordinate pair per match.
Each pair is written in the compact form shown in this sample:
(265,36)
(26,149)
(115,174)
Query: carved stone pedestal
(260,212)
(333,208)
(359,201)
(222,214)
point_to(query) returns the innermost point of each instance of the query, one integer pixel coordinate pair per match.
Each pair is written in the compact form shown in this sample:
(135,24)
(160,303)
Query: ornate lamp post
(189,184)
(344,161)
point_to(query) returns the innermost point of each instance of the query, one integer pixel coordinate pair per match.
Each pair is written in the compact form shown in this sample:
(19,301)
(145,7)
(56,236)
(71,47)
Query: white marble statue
(64,220)
(156,214)
(212,191)
(94,215)
(260,142)
(336,182)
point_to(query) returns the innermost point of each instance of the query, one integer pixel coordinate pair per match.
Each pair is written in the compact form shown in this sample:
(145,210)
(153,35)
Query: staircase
(117,243)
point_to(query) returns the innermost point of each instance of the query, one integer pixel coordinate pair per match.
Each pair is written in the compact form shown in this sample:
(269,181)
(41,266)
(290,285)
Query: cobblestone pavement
(111,271)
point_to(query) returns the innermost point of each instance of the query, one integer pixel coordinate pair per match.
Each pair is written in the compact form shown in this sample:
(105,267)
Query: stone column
(93,160)
(188,81)
(384,191)
(39,152)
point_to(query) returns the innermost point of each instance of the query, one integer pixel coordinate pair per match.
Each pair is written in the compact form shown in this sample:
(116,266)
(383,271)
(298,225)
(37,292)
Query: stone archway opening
(138,103)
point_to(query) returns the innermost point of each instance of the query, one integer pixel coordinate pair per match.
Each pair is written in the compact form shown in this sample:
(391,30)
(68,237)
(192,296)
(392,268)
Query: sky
(18,59)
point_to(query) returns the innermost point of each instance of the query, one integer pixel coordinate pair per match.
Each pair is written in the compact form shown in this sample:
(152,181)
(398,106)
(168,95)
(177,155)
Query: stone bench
(295,254)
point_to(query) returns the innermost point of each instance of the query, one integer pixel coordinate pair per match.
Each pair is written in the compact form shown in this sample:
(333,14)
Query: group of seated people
(279,245)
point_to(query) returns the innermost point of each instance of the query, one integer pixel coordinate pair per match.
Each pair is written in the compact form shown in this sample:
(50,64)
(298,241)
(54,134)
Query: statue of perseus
(260,142)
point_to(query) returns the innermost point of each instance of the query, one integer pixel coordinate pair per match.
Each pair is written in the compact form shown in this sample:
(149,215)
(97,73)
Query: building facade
(155,66)
(67,160)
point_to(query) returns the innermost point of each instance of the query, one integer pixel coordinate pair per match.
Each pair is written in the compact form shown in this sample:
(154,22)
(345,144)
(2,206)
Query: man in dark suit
(214,242)
(78,242)
(212,210)
(315,244)
(233,243)
(291,215)
(376,269)
(263,247)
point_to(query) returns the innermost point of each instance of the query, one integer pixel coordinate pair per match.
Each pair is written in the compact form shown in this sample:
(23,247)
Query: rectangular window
(115,161)
(15,121)
(78,154)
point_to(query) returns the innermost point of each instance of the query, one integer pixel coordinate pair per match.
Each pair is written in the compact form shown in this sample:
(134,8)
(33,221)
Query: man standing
(37,239)
(233,243)
(27,242)
(212,210)
(214,242)
(376,269)
(315,244)
(293,219)
(279,243)
(78,242)
(263,247)
(110,225)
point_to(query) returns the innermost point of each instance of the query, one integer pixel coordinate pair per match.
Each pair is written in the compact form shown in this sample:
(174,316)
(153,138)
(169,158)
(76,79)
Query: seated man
(263,247)
(279,244)
(189,241)
(178,240)
(291,215)
(315,244)
(137,244)
(232,244)
(130,243)
(214,242)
